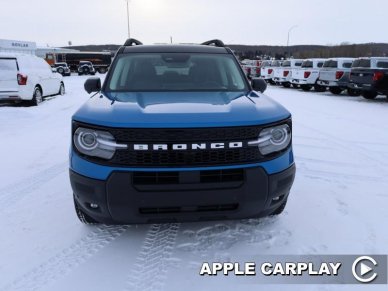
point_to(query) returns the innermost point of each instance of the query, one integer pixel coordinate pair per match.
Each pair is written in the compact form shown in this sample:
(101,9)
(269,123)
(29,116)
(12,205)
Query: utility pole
(288,38)
(129,32)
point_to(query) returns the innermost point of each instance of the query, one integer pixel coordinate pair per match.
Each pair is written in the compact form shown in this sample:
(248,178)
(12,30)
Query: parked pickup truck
(178,133)
(370,75)
(335,75)
(267,70)
(307,76)
(282,75)
(251,68)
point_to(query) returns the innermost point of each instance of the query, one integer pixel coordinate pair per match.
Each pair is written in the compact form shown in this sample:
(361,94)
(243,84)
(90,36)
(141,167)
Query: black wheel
(62,90)
(335,90)
(280,209)
(296,86)
(272,82)
(37,97)
(61,71)
(79,74)
(85,70)
(319,88)
(82,216)
(354,93)
(369,94)
(306,87)
(286,84)
(102,70)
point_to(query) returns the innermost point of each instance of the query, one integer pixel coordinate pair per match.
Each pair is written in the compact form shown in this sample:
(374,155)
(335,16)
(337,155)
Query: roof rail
(132,41)
(214,42)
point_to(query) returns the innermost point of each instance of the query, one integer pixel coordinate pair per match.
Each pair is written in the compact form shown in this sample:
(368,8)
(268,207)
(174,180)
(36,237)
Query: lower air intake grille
(206,208)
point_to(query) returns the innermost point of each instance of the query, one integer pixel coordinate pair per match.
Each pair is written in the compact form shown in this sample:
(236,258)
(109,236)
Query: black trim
(120,201)
(214,42)
(132,41)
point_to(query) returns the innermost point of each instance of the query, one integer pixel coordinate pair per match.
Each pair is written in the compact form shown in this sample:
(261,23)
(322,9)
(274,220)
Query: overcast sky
(55,22)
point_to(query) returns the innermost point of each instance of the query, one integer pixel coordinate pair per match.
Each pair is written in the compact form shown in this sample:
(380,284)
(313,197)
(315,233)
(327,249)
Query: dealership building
(17,46)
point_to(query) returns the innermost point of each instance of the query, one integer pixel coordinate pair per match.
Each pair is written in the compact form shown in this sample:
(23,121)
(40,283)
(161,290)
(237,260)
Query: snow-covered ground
(338,204)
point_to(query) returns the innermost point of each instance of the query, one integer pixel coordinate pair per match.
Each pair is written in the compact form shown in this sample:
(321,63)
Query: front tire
(82,216)
(369,95)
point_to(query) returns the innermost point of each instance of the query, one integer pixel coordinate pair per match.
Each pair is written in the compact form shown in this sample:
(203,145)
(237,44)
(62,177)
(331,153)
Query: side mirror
(259,85)
(92,85)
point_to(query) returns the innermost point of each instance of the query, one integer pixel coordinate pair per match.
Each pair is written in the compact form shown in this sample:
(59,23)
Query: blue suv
(178,133)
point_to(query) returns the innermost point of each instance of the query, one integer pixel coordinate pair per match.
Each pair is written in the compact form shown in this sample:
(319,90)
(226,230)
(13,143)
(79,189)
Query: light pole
(129,33)
(288,37)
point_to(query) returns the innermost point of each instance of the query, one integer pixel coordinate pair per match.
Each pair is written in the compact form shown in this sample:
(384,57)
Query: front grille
(181,158)
(203,177)
(186,158)
(155,178)
(203,208)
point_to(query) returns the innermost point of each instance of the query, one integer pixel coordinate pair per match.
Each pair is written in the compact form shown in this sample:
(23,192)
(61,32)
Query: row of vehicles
(84,68)
(363,76)
(100,60)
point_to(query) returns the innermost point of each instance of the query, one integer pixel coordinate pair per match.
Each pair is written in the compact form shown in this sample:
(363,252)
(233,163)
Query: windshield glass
(175,72)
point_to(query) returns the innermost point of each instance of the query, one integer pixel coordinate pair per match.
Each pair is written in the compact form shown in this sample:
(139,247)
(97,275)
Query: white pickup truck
(307,75)
(282,75)
(267,70)
(251,68)
(335,75)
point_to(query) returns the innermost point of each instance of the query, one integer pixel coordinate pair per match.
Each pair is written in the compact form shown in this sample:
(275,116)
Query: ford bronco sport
(178,133)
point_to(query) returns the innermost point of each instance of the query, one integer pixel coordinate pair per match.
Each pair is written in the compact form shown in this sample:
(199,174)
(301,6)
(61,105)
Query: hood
(180,109)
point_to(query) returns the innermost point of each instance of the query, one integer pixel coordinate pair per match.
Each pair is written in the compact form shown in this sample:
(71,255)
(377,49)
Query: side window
(381,64)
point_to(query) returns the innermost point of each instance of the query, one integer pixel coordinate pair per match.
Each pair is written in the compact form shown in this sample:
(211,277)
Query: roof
(14,55)
(175,49)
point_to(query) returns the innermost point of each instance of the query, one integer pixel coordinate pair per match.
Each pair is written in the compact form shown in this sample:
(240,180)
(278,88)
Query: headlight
(273,139)
(96,143)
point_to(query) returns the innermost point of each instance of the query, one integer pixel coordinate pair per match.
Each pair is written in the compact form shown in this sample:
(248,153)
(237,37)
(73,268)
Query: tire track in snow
(17,191)
(66,260)
(150,270)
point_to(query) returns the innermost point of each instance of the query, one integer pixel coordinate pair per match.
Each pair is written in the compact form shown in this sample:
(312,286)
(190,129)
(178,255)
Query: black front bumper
(141,197)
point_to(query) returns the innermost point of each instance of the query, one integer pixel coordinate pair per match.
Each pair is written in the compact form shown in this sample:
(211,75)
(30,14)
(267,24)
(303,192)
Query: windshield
(175,72)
